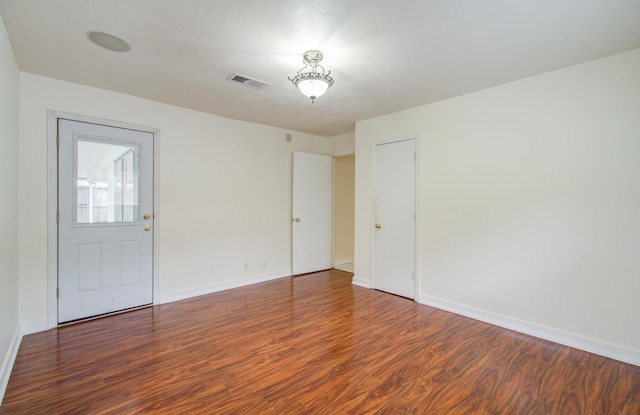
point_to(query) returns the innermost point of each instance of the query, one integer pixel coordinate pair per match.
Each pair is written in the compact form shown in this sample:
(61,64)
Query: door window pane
(106,182)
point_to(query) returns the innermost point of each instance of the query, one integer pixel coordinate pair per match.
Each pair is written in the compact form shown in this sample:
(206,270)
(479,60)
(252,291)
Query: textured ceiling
(384,56)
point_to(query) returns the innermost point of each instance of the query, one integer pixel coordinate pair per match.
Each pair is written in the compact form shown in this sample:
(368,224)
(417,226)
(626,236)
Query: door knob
(378,226)
(147,228)
(297,219)
(147,216)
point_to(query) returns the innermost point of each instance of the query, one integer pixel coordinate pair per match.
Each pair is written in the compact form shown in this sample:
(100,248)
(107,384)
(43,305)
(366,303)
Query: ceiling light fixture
(109,41)
(312,83)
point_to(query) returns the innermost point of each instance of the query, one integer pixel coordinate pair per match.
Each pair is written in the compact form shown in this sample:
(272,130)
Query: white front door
(311,219)
(395,224)
(105,226)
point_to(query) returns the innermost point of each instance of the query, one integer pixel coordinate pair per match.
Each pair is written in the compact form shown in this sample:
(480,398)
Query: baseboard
(42,325)
(221,286)
(35,326)
(360,282)
(342,261)
(9,360)
(598,347)
(7,364)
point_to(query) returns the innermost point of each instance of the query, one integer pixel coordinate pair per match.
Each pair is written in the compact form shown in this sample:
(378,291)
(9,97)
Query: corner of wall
(9,360)
(361,282)
(344,144)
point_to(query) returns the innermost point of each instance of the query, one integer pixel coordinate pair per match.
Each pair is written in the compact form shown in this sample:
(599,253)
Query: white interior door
(105,228)
(311,219)
(395,226)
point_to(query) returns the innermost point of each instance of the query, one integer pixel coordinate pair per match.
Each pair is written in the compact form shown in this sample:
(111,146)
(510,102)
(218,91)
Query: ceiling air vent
(247,81)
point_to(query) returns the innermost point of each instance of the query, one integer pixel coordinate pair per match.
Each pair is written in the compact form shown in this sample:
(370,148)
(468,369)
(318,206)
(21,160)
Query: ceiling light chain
(312,83)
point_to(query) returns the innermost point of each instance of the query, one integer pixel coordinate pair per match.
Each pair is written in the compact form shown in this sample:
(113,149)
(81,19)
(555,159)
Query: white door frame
(372,219)
(52,203)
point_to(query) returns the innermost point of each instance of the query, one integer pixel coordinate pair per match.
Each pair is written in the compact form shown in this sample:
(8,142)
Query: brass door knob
(147,228)
(147,216)
(378,226)
(297,219)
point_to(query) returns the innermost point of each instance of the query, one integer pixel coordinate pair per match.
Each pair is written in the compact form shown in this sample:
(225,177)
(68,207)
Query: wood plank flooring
(313,344)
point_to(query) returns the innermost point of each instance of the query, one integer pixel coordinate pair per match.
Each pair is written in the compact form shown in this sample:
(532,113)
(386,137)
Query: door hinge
(414,156)
(58,217)
(58,140)
(57,292)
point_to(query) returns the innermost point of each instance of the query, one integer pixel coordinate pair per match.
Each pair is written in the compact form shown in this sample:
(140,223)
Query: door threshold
(99,316)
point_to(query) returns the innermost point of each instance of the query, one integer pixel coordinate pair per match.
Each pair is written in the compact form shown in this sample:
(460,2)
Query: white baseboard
(342,261)
(23,329)
(35,326)
(8,361)
(360,282)
(598,347)
(221,286)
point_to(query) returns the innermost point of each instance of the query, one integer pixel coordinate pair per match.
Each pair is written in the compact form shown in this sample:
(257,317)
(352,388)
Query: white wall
(224,190)
(529,202)
(9,103)
(344,144)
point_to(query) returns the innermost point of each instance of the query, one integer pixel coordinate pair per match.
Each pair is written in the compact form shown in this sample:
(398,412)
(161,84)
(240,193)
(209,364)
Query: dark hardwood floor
(313,344)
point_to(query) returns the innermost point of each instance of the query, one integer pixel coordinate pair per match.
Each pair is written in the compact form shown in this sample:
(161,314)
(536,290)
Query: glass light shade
(312,83)
(313,88)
